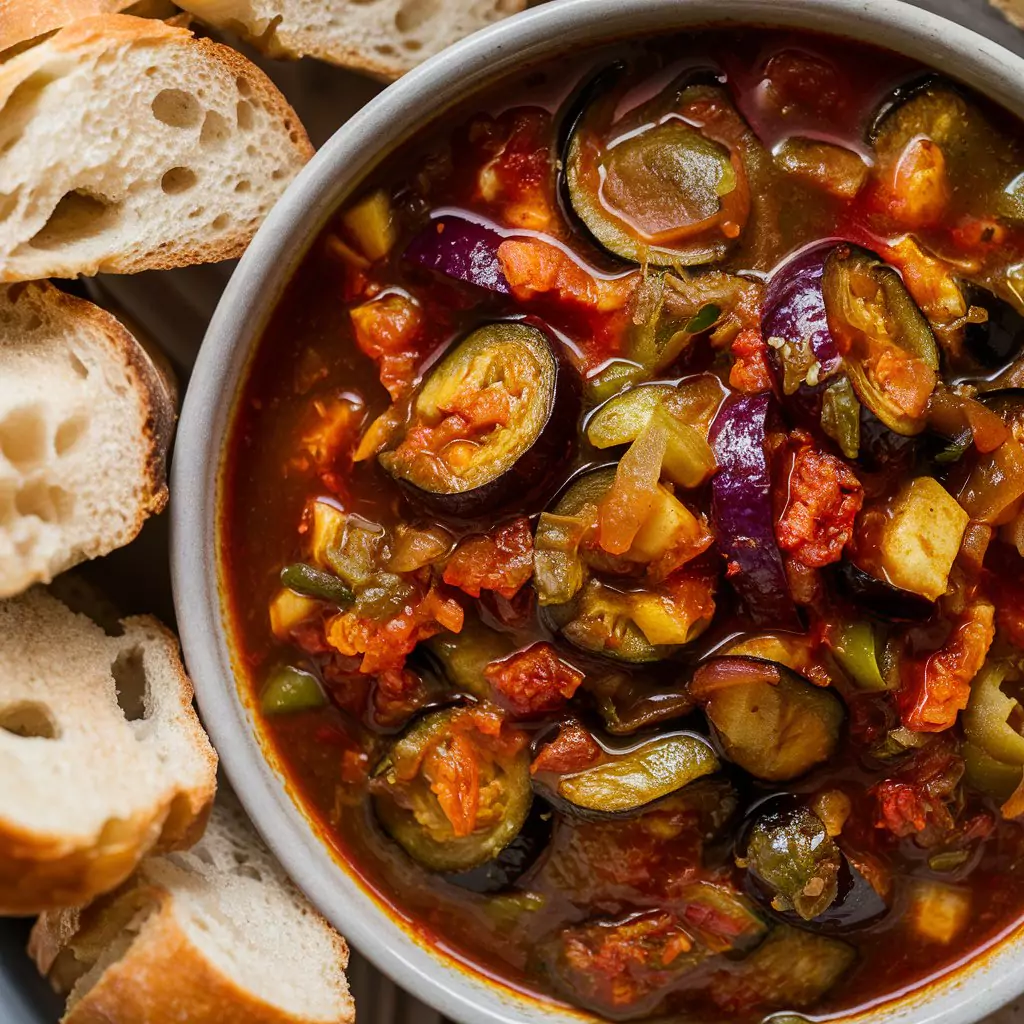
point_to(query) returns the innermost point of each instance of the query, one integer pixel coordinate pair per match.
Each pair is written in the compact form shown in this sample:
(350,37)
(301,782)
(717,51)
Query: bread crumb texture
(85,424)
(383,37)
(102,755)
(127,144)
(216,935)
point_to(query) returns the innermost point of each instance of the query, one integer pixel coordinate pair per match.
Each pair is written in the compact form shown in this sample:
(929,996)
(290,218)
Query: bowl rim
(455,989)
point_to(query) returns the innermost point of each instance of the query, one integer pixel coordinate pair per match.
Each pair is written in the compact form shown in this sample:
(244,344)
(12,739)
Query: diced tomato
(824,499)
(920,799)
(501,560)
(534,680)
(931,282)
(1005,582)
(935,688)
(534,268)
(915,191)
(398,694)
(385,645)
(391,332)
(517,179)
(572,750)
(978,235)
(750,371)
(614,966)
(906,381)
(796,80)
(454,773)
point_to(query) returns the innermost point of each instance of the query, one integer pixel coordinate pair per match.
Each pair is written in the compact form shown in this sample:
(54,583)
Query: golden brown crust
(1012,9)
(163,978)
(24,20)
(110,30)
(47,872)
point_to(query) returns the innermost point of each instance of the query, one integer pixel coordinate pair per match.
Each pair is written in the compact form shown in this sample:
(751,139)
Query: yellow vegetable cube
(921,538)
(372,224)
(670,525)
(289,610)
(939,913)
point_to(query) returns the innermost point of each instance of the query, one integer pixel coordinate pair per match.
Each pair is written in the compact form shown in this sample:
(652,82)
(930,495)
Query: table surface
(175,308)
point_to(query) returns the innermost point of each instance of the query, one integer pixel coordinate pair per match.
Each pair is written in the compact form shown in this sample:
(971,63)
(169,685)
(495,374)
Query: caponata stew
(624,524)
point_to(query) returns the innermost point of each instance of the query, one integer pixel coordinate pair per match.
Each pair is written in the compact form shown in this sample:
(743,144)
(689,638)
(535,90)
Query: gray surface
(24,999)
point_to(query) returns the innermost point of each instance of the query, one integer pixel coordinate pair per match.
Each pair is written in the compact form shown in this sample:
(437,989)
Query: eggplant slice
(511,383)
(998,340)
(628,781)
(877,326)
(412,814)
(653,188)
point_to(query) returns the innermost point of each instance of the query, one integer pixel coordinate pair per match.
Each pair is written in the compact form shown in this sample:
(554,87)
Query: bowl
(993,976)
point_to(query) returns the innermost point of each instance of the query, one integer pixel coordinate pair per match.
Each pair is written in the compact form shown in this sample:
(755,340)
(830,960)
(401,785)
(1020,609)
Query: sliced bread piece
(85,424)
(127,144)
(1013,9)
(102,757)
(22,21)
(385,38)
(214,936)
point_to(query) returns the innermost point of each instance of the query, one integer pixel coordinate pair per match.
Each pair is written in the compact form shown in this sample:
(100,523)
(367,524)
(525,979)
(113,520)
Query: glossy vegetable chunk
(792,855)
(488,421)
(454,791)
(289,690)
(888,349)
(993,718)
(460,249)
(656,188)
(742,509)
(771,722)
(625,782)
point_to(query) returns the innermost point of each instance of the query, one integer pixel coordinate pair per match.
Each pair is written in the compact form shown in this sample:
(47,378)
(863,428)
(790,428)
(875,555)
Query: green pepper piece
(994,778)
(639,777)
(840,416)
(987,718)
(706,318)
(856,650)
(613,377)
(312,582)
(794,856)
(288,690)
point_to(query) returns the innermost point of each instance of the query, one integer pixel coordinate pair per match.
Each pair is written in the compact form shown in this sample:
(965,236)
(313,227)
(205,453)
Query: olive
(651,187)
(770,721)
(791,854)
(518,399)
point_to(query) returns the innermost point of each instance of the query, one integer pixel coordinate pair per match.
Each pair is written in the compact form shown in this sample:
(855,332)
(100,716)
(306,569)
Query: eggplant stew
(623,528)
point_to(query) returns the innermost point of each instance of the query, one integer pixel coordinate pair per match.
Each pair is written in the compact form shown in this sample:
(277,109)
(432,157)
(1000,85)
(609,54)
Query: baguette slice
(385,38)
(1013,9)
(127,144)
(24,20)
(101,754)
(215,936)
(85,424)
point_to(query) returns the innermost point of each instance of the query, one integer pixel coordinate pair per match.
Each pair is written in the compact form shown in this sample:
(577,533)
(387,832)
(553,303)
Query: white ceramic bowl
(995,976)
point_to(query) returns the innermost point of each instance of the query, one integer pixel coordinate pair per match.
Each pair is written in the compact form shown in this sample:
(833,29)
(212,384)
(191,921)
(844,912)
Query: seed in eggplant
(872,318)
(521,399)
(998,340)
(880,597)
(627,781)
(653,188)
(409,809)
(503,871)
(768,720)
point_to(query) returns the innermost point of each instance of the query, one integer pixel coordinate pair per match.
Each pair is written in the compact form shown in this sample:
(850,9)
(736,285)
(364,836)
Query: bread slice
(385,38)
(1013,9)
(101,754)
(22,21)
(214,936)
(85,424)
(127,144)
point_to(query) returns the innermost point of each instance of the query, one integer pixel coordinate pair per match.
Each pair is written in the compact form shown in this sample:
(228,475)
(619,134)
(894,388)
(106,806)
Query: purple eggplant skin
(741,505)
(535,474)
(879,597)
(462,250)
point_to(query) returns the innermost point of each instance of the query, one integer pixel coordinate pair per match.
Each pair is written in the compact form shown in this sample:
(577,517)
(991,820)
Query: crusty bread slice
(24,20)
(1013,9)
(101,754)
(85,424)
(214,936)
(127,144)
(385,38)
